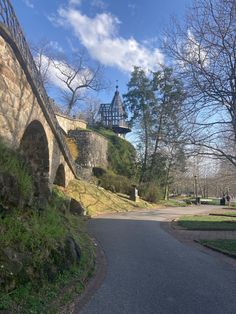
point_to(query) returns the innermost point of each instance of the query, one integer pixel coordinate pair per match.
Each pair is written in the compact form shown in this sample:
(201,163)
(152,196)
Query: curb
(227,257)
(76,305)
(216,250)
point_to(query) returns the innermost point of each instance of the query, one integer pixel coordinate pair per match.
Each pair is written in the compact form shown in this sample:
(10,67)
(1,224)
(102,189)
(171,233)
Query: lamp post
(196,190)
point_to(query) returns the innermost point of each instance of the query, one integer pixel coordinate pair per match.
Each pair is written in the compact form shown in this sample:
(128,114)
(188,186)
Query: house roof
(117,104)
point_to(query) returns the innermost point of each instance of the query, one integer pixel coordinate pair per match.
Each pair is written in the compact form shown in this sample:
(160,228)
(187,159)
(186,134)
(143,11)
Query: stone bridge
(27,120)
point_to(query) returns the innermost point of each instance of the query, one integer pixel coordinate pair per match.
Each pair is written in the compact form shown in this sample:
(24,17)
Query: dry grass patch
(98,200)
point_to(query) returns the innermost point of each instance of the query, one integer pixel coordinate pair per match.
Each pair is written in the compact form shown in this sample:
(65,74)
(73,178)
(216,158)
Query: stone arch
(60,178)
(34,147)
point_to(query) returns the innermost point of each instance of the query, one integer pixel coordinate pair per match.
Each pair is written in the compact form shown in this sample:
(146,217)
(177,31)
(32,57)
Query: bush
(150,191)
(117,184)
(113,182)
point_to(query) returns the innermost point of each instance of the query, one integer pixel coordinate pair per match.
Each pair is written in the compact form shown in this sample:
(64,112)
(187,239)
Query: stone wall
(20,107)
(68,123)
(92,149)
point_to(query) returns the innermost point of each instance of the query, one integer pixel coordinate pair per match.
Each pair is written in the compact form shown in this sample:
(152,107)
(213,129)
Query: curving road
(150,272)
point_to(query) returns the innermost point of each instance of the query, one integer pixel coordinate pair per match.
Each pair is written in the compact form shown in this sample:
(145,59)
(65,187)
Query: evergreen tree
(140,101)
(154,102)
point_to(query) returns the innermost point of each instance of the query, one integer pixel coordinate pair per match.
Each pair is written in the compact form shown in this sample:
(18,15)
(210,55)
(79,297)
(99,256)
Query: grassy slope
(209,222)
(99,201)
(225,246)
(205,222)
(227,213)
(121,153)
(35,234)
(173,203)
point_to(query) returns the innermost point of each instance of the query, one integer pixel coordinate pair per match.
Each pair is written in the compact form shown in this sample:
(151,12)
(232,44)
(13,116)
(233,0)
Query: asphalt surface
(149,271)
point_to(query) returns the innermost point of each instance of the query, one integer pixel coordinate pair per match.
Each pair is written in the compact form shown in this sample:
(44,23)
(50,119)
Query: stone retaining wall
(92,149)
(69,123)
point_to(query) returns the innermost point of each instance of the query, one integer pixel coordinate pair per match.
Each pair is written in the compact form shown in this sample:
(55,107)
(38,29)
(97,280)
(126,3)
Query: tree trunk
(157,142)
(144,166)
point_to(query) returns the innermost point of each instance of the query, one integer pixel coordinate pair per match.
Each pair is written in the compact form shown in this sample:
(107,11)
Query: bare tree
(78,77)
(74,76)
(43,58)
(90,112)
(204,53)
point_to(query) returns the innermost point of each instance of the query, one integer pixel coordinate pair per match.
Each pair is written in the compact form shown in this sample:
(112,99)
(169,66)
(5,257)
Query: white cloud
(99,4)
(55,46)
(72,46)
(150,42)
(29,3)
(48,70)
(74,2)
(100,36)
(56,68)
(132,7)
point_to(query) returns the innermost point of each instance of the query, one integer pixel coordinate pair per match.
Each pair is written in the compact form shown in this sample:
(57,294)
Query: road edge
(77,304)
(167,226)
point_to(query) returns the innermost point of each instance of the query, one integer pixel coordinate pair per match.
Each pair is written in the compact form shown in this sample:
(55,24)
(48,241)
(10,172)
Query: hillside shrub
(150,192)
(113,182)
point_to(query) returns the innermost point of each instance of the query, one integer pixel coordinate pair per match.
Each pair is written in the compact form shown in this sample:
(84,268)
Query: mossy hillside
(35,263)
(121,153)
(99,201)
(41,251)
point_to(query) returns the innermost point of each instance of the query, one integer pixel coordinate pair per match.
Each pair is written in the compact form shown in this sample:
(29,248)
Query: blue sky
(118,34)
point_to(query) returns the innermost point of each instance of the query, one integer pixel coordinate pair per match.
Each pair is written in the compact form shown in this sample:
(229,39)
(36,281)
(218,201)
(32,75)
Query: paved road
(149,271)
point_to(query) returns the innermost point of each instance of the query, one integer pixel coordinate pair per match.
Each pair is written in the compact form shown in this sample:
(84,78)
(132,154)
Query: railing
(9,19)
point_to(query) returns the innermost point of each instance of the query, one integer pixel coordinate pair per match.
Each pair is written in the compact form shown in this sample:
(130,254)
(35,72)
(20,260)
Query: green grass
(34,235)
(97,200)
(32,231)
(121,153)
(230,214)
(206,222)
(213,202)
(47,297)
(225,246)
(204,201)
(173,203)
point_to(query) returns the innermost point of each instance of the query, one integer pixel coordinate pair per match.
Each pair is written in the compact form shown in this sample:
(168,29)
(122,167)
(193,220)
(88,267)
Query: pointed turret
(113,115)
